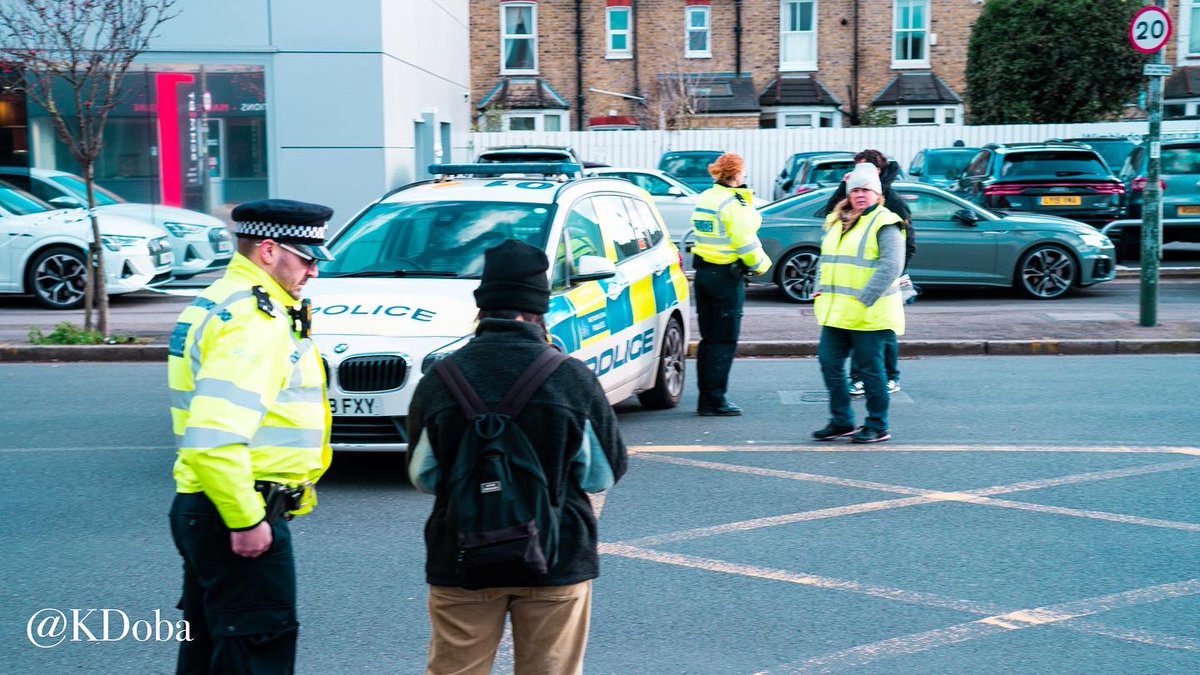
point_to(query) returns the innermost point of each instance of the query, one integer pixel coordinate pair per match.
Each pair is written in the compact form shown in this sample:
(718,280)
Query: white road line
(790,475)
(1086,477)
(1092,515)
(1018,620)
(902,448)
(725,567)
(89,448)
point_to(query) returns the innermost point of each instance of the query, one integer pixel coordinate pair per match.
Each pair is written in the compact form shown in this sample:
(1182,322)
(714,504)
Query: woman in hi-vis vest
(858,304)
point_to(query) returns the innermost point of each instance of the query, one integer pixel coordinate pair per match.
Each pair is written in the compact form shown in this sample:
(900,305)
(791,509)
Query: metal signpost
(1148,33)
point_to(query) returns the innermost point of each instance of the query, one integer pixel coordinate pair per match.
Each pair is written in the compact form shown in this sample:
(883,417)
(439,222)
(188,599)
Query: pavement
(790,331)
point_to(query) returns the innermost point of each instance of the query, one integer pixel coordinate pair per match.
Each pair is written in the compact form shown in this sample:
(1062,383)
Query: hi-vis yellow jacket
(248,396)
(726,228)
(848,262)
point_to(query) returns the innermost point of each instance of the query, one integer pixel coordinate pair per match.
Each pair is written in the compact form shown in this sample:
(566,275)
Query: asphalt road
(1034,515)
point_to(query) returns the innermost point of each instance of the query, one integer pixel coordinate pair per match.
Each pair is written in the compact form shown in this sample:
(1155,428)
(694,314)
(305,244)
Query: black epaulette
(264,301)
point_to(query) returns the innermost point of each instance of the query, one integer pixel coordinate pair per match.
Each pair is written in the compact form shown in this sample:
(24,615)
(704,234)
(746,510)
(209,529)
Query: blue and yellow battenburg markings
(586,315)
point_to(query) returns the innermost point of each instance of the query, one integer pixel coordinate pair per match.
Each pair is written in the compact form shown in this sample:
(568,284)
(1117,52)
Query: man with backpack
(510,434)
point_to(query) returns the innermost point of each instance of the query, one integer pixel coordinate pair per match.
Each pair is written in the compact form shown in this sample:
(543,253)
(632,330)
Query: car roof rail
(547,169)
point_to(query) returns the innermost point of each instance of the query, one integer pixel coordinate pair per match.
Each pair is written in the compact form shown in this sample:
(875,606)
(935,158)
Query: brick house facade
(676,63)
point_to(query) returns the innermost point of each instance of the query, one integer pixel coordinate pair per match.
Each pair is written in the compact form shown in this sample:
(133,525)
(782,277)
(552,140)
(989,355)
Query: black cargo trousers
(241,612)
(720,294)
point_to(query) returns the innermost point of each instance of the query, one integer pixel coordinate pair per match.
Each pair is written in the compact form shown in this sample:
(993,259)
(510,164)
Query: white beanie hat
(864,175)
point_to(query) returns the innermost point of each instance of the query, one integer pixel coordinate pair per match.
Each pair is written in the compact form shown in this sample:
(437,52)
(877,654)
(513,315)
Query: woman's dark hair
(874,157)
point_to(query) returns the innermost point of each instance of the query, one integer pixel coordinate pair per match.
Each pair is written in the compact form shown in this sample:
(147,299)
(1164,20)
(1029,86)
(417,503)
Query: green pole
(1152,210)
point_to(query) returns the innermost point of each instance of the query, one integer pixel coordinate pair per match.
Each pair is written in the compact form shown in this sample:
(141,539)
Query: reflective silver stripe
(856,293)
(196,437)
(302,395)
(706,239)
(704,210)
(849,260)
(276,437)
(747,248)
(228,391)
(726,203)
(197,356)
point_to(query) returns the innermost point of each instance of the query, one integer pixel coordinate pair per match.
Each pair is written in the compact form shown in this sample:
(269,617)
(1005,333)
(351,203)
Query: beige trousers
(549,628)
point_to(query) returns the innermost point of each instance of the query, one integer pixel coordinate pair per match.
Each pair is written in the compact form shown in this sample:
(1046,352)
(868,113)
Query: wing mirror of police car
(593,268)
(675,191)
(65,202)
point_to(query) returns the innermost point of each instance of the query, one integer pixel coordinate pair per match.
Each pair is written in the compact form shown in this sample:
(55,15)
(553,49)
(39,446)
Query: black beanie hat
(514,277)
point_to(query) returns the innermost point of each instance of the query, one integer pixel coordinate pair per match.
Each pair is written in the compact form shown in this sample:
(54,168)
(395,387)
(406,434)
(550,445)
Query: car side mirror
(675,191)
(787,186)
(966,216)
(593,268)
(66,202)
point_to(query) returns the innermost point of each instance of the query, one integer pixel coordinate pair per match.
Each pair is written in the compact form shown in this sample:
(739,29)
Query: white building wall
(345,81)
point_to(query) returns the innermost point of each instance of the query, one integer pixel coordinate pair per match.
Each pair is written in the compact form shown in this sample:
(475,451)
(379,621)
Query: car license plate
(1189,210)
(224,246)
(165,258)
(1066,200)
(355,406)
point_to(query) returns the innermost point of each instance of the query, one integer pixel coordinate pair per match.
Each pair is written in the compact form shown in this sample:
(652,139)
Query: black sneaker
(726,409)
(867,435)
(832,432)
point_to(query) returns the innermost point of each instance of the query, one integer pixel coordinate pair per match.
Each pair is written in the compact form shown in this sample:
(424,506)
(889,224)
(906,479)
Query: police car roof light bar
(501,168)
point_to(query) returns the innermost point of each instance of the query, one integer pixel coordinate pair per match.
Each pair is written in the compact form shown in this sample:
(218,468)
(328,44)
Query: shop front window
(192,136)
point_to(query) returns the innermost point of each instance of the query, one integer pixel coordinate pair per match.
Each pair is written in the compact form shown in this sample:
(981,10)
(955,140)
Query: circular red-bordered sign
(1150,29)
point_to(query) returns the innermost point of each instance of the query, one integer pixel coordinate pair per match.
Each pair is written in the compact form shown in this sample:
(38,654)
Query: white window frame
(922,62)
(706,10)
(533,37)
(939,114)
(1187,10)
(539,119)
(785,65)
(609,32)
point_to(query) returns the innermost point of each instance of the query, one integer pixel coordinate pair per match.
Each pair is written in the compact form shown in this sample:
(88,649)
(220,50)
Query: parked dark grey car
(958,244)
(940,166)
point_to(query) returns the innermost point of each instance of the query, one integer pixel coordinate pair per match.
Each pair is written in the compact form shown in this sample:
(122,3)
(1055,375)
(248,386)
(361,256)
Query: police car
(399,295)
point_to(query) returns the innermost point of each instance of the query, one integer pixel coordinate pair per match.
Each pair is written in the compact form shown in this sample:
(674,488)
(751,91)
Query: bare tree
(73,55)
(673,102)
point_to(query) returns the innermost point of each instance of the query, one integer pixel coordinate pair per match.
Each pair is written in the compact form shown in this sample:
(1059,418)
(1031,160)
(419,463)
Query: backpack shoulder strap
(530,381)
(463,392)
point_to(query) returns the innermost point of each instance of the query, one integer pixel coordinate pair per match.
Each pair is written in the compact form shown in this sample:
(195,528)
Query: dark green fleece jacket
(568,421)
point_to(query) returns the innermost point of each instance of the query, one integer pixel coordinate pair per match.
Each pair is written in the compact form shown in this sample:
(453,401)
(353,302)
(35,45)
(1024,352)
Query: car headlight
(183,229)
(440,353)
(115,242)
(1095,239)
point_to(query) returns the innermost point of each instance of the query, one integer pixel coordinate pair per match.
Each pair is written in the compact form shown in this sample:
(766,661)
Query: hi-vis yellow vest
(848,261)
(248,397)
(726,228)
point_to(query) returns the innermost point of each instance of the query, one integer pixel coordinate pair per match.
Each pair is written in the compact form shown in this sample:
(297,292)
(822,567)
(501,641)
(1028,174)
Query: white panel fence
(765,150)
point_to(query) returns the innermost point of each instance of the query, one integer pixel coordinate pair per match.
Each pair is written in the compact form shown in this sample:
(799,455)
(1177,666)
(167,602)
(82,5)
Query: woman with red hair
(726,250)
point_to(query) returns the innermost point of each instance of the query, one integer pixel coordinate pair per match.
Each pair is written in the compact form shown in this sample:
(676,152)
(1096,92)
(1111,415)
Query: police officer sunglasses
(308,259)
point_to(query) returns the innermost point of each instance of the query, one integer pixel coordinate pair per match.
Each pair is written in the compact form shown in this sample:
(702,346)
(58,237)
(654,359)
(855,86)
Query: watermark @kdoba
(50,627)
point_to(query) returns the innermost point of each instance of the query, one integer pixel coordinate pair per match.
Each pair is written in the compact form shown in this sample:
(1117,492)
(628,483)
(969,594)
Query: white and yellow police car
(400,293)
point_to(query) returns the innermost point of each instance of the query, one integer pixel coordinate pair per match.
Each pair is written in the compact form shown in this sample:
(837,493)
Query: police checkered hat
(298,224)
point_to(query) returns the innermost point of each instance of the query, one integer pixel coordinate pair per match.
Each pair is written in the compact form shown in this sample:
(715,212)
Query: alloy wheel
(798,275)
(1047,272)
(60,279)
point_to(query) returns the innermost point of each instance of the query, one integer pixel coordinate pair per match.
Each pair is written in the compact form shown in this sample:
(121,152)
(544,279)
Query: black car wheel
(1047,272)
(797,274)
(668,381)
(57,277)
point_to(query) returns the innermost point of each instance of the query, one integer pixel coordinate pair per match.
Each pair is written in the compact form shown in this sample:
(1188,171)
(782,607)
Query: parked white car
(43,251)
(200,242)
(675,199)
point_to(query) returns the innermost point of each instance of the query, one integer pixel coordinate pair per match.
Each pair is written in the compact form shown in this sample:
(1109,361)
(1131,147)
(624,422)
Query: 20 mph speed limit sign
(1150,29)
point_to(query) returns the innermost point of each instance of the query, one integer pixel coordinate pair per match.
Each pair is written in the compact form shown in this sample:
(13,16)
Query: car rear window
(949,164)
(1056,163)
(830,173)
(687,165)
(1181,159)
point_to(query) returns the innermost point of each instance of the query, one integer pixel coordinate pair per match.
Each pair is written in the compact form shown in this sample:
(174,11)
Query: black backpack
(498,497)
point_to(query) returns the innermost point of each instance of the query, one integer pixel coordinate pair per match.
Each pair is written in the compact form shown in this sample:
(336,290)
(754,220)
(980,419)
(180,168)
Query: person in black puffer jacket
(888,171)
(574,432)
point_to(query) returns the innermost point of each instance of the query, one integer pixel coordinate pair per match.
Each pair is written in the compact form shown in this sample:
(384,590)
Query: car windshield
(830,173)
(1054,163)
(1181,159)
(439,239)
(19,202)
(76,186)
(947,163)
(688,165)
